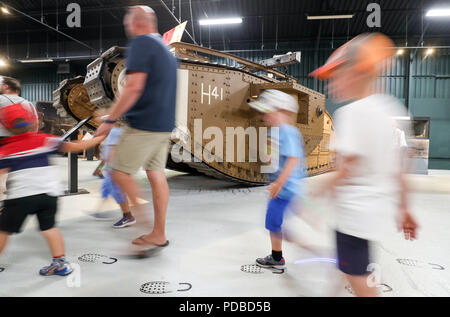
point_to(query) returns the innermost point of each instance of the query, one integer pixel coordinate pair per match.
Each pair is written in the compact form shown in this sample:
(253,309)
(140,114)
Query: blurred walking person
(147,103)
(368,188)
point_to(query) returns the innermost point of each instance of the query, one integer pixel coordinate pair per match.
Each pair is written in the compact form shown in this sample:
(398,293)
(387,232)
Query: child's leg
(276,238)
(59,264)
(3,240)
(122,200)
(274,220)
(55,241)
(125,207)
(46,216)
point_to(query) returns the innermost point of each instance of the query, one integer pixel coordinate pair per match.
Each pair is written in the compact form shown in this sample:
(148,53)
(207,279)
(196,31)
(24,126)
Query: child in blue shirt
(288,154)
(109,187)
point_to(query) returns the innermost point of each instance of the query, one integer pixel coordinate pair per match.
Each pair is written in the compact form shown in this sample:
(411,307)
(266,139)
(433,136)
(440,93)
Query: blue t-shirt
(112,139)
(290,144)
(155,109)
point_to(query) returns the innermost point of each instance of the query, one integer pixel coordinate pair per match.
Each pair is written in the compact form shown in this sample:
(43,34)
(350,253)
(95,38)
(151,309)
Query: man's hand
(274,189)
(103,129)
(408,225)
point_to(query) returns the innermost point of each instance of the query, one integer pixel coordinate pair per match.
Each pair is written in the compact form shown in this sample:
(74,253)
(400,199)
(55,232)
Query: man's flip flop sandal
(144,242)
(148,252)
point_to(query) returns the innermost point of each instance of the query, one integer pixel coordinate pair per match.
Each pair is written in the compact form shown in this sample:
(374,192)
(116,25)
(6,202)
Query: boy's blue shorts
(109,188)
(275,213)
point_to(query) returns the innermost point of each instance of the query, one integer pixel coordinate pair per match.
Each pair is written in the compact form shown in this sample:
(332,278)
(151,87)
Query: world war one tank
(212,103)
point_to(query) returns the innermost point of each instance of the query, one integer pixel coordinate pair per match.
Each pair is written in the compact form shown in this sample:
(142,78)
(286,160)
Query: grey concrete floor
(215,228)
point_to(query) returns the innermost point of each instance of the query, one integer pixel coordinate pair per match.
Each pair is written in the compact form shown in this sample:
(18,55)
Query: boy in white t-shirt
(369,189)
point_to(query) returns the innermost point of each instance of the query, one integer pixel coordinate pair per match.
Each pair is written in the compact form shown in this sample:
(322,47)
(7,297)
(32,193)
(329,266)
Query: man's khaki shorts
(140,148)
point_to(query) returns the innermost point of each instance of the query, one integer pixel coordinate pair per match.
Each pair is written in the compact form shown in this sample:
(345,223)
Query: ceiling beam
(44,24)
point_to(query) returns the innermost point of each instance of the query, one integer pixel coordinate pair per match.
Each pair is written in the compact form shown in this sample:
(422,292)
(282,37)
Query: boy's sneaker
(269,262)
(124,222)
(57,268)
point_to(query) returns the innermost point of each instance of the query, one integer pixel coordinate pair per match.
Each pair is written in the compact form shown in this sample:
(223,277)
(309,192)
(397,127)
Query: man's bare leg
(160,193)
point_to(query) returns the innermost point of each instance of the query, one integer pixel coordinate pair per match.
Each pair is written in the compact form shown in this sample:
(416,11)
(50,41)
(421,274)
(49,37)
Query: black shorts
(352,254)
(15,211)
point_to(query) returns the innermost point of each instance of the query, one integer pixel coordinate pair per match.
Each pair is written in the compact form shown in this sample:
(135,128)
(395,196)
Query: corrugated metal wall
(431,75)
(38,84)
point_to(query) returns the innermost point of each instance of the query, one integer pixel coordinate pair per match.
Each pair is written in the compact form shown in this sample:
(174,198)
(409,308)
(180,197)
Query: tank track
(205,169)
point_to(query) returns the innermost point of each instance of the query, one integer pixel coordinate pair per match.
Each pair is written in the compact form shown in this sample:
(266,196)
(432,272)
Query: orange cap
(363,53)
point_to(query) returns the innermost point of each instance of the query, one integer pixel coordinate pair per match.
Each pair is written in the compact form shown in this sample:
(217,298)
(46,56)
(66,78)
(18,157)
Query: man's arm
(134,86)
(406,222)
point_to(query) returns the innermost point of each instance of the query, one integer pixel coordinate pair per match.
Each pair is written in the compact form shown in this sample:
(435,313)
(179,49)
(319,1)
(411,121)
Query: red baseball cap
(364,53)
(17,115)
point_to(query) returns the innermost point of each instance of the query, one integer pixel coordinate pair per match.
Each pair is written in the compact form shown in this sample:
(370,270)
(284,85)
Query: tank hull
(217,133)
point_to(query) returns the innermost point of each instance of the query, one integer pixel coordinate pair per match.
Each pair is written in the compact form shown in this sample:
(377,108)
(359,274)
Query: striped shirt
(26,156)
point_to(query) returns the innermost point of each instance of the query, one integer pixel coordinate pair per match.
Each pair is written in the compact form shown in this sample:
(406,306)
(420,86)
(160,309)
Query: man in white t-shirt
(369,189)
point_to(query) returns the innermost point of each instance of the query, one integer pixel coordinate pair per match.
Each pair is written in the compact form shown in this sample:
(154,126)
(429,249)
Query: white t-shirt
(367,201)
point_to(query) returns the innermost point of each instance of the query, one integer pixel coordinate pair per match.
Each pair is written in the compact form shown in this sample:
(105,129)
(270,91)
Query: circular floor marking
(252,268)
(97,258)
(420,264)
(157,287)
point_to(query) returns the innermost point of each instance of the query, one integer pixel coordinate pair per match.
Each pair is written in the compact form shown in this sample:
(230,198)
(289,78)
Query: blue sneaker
(57,268)
(124,222)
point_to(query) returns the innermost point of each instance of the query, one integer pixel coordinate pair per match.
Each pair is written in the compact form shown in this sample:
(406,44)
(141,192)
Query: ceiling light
(438,13)
(220,21)
(429,51)
(329,17)
(5,10)
(35,60)
(3,63)
(400,52)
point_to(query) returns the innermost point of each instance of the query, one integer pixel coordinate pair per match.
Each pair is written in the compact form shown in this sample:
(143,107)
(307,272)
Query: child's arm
(75,147)
(277,185)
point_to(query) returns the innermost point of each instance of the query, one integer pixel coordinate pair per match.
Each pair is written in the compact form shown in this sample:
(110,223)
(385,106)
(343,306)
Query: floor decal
(160,287)
(255,269)
(420,264)
(97,258)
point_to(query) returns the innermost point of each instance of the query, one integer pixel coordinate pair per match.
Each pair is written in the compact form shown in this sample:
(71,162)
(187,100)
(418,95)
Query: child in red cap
(33,184)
